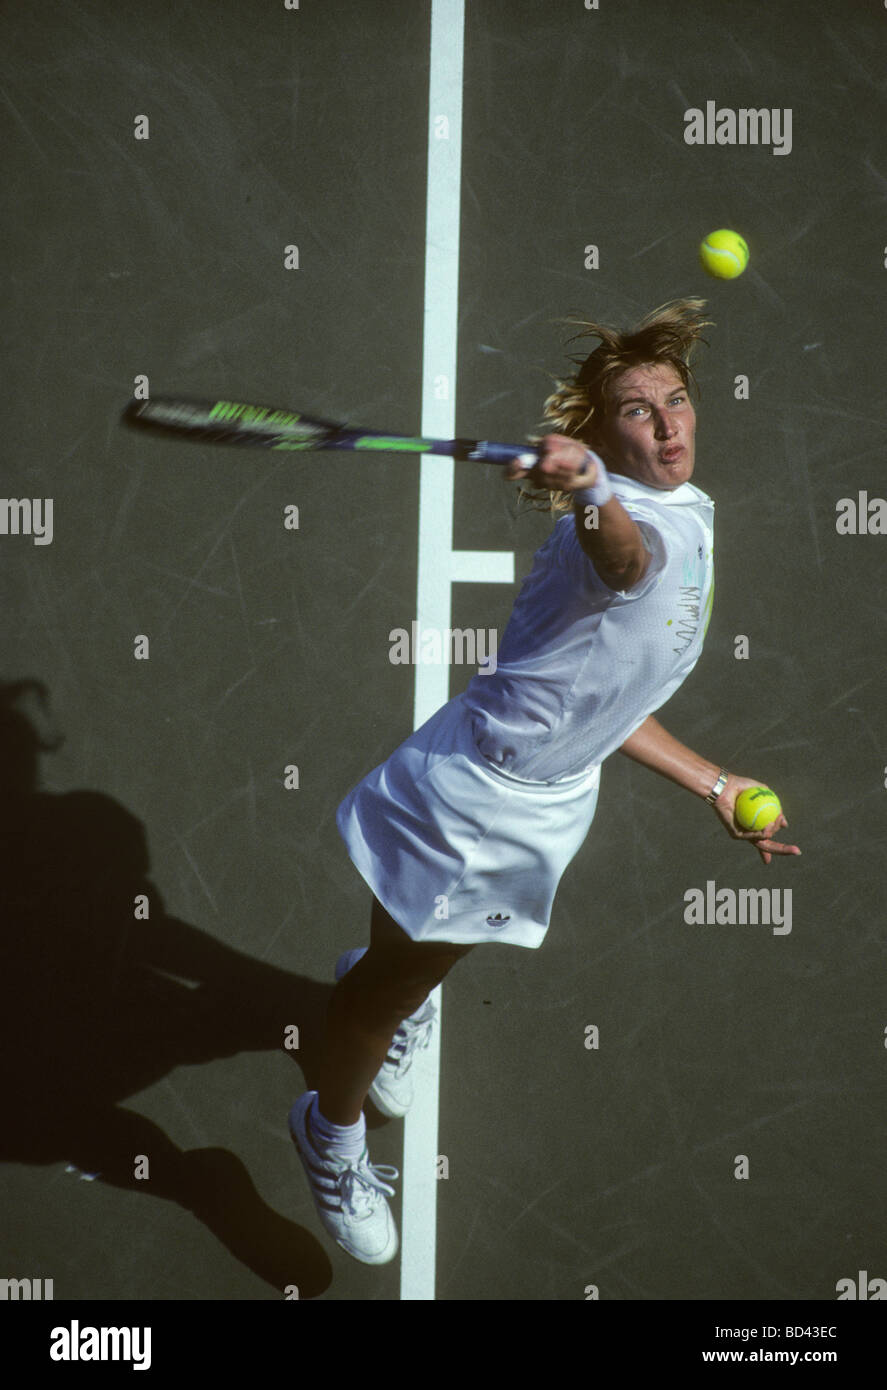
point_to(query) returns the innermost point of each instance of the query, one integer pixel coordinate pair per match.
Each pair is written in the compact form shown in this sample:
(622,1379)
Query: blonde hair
(579,405)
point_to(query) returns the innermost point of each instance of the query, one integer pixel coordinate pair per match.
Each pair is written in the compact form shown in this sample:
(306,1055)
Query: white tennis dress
(463,833)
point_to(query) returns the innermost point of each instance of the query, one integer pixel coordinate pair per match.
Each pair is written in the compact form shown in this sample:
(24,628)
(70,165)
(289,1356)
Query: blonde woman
(464,832)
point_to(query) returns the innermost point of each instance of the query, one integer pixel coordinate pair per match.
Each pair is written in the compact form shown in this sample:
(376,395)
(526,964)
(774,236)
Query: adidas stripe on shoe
(349,1194)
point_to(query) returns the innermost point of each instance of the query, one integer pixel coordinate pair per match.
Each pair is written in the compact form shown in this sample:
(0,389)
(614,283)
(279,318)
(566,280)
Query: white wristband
(600,492)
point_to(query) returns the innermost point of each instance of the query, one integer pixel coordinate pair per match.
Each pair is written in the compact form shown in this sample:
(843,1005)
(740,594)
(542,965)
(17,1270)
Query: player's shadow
(97,1005)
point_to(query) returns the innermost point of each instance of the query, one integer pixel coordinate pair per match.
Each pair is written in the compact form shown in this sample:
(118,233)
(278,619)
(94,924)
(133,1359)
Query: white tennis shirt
(581,666)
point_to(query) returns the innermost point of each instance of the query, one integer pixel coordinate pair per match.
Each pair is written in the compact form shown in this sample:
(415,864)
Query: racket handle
(485,451)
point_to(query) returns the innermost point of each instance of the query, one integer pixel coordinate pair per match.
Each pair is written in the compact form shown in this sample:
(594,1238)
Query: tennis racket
(266,427)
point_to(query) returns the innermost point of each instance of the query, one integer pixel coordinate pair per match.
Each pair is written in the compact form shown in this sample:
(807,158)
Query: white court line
(439,567)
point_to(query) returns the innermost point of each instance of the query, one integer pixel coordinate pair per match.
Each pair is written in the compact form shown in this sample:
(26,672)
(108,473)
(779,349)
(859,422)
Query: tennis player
(464,832)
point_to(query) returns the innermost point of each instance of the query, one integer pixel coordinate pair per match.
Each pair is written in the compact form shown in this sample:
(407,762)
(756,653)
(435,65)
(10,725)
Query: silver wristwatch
(718,787)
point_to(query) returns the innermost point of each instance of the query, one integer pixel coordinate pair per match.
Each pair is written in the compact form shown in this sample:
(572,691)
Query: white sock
(424,1013)
(348,1141)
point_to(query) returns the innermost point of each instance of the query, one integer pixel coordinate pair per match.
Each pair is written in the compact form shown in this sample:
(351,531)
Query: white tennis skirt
(455,849)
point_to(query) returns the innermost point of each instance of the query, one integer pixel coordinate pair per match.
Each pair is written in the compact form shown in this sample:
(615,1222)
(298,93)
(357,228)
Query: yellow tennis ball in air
(756,807)
(724,254)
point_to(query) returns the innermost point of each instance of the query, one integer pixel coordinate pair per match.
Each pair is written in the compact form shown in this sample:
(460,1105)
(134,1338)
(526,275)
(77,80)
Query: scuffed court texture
(569,1166)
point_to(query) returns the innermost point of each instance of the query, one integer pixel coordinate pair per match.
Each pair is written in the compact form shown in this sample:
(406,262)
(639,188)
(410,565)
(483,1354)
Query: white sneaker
(392,1089)
(348,1193)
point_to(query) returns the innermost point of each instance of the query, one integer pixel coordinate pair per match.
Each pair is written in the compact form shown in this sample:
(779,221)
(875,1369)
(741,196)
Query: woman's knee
(397,978)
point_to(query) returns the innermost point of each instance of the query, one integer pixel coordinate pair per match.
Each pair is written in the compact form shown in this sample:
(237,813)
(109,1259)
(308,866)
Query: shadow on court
(96,1006)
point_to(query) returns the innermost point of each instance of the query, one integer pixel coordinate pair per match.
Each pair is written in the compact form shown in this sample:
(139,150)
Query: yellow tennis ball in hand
(756,807)
(724,254)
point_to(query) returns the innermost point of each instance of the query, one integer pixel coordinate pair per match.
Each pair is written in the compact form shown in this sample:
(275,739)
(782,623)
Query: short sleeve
(584,575)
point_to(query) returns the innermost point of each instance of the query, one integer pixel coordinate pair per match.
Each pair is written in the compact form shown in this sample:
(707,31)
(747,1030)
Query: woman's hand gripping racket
(265,427)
